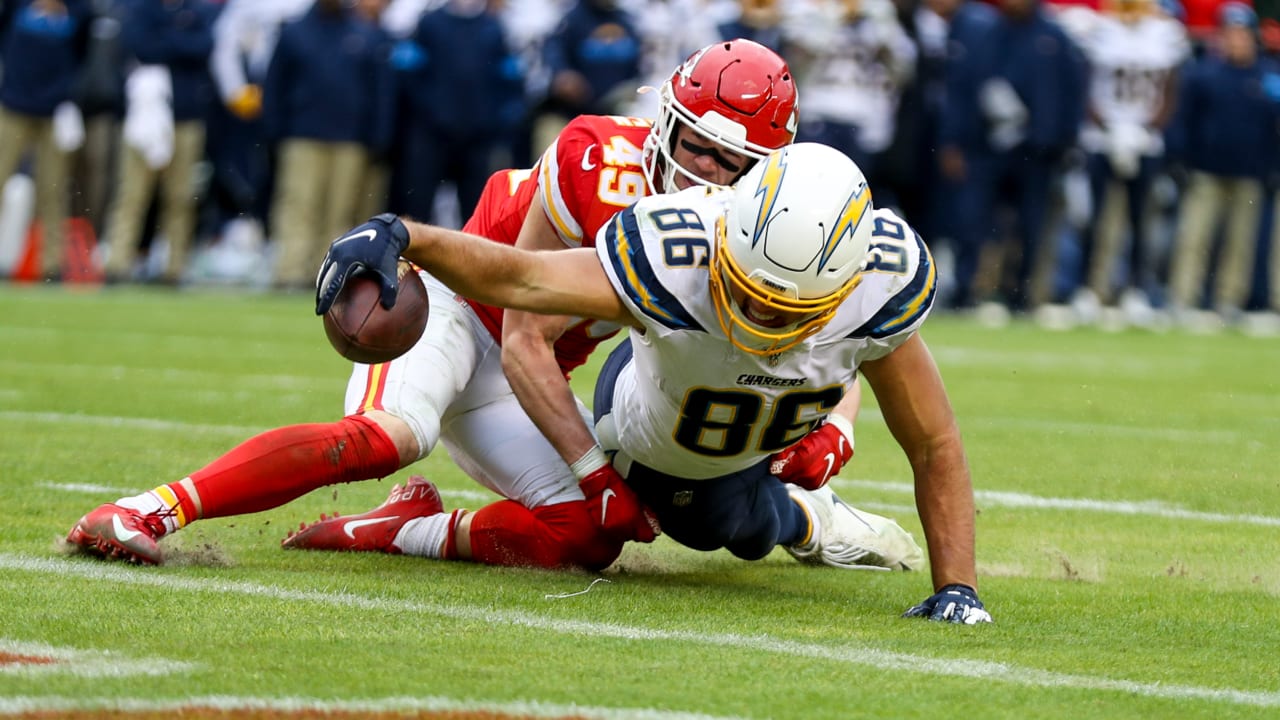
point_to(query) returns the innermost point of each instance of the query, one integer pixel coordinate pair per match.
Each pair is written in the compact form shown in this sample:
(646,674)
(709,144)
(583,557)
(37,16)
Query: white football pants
(450,386)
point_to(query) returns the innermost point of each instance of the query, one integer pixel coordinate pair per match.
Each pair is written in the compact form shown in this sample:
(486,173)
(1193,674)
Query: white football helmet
(795,240)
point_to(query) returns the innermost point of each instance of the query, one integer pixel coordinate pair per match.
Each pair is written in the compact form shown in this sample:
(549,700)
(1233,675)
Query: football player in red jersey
(491,385)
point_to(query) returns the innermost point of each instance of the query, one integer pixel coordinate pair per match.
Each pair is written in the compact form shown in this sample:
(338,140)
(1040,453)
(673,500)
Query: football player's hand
(813,461)
(615,506)
(372,248)
(954,604)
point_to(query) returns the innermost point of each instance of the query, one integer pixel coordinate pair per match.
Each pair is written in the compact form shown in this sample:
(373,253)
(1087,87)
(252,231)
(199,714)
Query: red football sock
(553,536)
(280,465)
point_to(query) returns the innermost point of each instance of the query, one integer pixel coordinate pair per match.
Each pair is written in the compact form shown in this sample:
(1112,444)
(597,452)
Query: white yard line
(84,663)
(129,423)
(997,498)
(469,496)
(277,381)
(229,703)
(984,498)
(475,497)
(1107,364)
(1068,427)
(1179,435)
(844,654)
(88,488)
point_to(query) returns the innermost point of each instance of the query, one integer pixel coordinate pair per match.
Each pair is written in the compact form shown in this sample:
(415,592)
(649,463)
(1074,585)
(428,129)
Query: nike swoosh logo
(350,527)
(123,534)
(831,461)
(604,503)
(370,233)
(586,159)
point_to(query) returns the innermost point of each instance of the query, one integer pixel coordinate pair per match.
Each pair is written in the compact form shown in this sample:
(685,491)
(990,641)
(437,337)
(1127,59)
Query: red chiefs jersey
(591,171)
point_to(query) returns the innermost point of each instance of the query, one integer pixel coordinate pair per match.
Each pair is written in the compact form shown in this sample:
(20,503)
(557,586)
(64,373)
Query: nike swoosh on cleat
(350,527)
(604,504)
(123,534)
(835,500)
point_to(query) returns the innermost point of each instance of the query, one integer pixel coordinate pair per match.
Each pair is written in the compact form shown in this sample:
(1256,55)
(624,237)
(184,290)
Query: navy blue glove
(953,603)
(372,248)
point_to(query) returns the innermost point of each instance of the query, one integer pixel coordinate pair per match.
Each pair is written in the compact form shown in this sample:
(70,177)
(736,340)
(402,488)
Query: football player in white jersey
(1134,53)
(852,60)
(751,313)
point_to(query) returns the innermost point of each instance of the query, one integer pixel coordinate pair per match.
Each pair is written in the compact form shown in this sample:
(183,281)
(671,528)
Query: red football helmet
(738,94)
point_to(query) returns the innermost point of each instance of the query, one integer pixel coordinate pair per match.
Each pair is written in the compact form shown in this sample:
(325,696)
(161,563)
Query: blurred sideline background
(1112,163)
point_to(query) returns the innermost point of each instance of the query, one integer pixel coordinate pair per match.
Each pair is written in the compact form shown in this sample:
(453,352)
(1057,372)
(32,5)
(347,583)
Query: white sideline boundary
(999,498)
(845,654)
(230,703)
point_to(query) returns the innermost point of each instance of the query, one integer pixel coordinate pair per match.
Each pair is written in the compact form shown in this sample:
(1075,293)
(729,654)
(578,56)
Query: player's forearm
(849,405)
(545,395)
(566,282)
(944,499)
(919,415)
(472,266)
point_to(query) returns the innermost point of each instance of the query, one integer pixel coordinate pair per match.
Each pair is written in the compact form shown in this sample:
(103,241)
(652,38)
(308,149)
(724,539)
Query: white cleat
(851,539)
(1137,309)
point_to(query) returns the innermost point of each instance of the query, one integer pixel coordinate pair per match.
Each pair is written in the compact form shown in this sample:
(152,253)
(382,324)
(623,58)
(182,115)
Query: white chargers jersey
(1130,63)
(244,38)
(853,71)
(670,31)
(694,406)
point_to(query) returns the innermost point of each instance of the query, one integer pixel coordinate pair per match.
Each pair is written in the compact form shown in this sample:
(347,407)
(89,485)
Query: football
(363,331)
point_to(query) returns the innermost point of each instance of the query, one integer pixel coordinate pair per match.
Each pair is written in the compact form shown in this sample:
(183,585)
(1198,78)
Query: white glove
(148,119)
(1005,111)
(1077,196)
(68,127)
(1000,102)
(1126,143)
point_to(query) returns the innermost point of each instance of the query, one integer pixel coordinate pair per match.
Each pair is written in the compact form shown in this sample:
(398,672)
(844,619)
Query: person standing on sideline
(327,105)
(1013,108)
(1225,123)
(1135,54)
(42,49)
(170,92)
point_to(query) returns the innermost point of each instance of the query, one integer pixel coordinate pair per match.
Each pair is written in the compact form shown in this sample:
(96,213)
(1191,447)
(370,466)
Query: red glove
(818,456)
(615,506)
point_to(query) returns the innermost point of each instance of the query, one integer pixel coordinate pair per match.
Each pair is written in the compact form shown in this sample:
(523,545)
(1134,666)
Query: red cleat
(375,530)
(118,533)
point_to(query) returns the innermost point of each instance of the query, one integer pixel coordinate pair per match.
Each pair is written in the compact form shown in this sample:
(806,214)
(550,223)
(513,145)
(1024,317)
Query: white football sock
(424,537)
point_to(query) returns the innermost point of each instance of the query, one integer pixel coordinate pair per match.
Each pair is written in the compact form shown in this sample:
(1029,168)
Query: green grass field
(1128,529)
